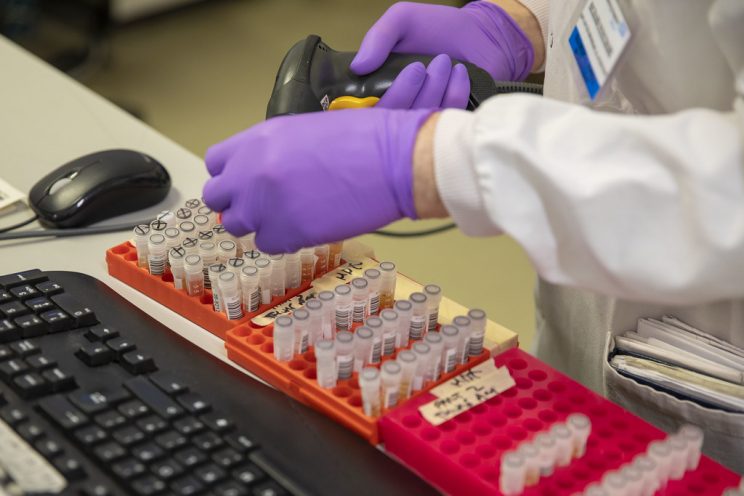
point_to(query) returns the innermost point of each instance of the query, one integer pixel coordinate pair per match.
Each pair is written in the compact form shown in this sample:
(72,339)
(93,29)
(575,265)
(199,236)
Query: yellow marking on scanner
(351,102)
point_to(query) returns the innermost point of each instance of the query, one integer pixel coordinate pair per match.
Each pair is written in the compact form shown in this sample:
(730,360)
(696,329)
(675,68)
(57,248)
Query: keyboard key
(12,415)
(231,488)
(166,469)
(240,442)
(49,288)
(8,331)
(31,326)
(81,313)
(193,403)
(25,348)
(24,292)
(31,385)
(110,419)
(128,435)
(60,381)
(153,397)
(30,431)
(12,368)
(48,448)
(189,426)
(58,320)
(5,352)
(190,457)
(95,354)
(136,362)
(186,486)
(91,435)
(101,332)
(167,383)
(248,474)
(62,412)
(133,409)
(109,452)
(5,295)
(207,441)
(89,403)
(14,309)
(32,276)
(269,488)
(129,468)
(209,474)
(227,457)
(171,440)
(148,452)
(40,304)
(120,345)
(217,422)
(94,489)
(69,467)
(40,362)
(148,485)
(152,424)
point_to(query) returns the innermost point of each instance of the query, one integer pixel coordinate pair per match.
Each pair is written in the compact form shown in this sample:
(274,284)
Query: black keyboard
(97,398)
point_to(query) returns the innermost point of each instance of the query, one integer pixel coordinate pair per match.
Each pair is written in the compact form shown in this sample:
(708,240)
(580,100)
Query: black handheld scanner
(315,77)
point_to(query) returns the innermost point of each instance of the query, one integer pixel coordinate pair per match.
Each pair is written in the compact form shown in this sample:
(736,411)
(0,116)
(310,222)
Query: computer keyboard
(97,398)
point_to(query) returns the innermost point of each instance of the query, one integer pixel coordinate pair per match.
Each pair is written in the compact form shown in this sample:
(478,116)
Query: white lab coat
(623,216)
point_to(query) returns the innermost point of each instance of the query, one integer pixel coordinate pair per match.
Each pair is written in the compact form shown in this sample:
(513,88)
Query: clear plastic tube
(325,359)
(376,324)
(208,252)
(172,237)
(359,300)
(176,257)
(369,383)
(404,308)
(329,313)
(436,343)
(206,211)
(249,282)
(389,331)
(477,330)
(580,427)
(302,333)
(264,279)
(157,254)
(284,338)
(648,468)
(206,236)
(191,245)
(694,437)
(213,272)
(187,228)
(564,444)
(678,462)
(168,217)
(314,308)
(247,242)
(547,451)
(615,484)
(278,275)
(407,360)
(343,307)
(141,236)
(595,489)
(374,280)
(463,346)
(235,265)
(530,453)
(363,347)
(418,316)
(250,256)
(661,453)
(334,254)
(634,478)
(230,295)
(512,474)
(227,249)
(193,267)
(293,270)
(423,354)
(307,265)
(433,299)
(344,354)
(221,234)
(158,226)
(193,203)
(322,253)
(390,377)
(451,337)
(183,213)
(388,276)
(201,222)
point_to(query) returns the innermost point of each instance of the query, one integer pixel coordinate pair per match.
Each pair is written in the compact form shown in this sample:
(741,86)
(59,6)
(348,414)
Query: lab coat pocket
(724,431)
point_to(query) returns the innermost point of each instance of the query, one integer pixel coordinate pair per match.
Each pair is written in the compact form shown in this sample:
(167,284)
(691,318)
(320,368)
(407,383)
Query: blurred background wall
(201,70)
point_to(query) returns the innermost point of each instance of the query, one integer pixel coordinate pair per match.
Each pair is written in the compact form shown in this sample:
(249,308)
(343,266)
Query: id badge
(597,39)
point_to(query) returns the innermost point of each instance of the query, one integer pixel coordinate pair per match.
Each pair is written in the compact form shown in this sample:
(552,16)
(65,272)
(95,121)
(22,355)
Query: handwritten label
(471,376)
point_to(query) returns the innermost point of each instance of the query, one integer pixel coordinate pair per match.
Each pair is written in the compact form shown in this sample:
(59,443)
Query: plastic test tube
(373,290)
(580,426)
(564,444)
(249,281)
(389,331)
(314,308)
(183,213)
(678,462)
(376,324)
(193,203)
(450,338)
(307,265)
(168,217)
(407,360)
(172,237)
(595,489)
(359,300)
(191,245)
(423,352)
(278,275)
(343,307)
(547,450)
(321,264)
(694,437)
(230,294)
(292,270)
(175,259)
(634,477)
(226,250)
(334,254)
(207,235)
(206,211)
(530,453)
(647,467)
(325,358)
(235,265)
(363,347)
(157,254)
(213,272)
(284,339)
(250,256)
(477,330)
(433,298)
(615,484)
(158,226)
(418,316)
(208,252)
(661,453)
(388,276)
(344,354)
(436,343)
(390,377)
(405,310)
(193,267)
(247,242)
(141,236)
(187,228)
(329,313)
(221,234)
(264,279)
(512,475)
(201,222)
(463,346)
(369,383)
(301,318)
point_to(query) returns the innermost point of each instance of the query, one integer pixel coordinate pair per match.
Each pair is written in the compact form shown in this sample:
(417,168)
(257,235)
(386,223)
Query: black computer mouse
(99,186)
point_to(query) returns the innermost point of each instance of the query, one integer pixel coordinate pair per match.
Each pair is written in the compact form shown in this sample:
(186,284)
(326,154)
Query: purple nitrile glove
(480,33)
(304,180)
(438,86)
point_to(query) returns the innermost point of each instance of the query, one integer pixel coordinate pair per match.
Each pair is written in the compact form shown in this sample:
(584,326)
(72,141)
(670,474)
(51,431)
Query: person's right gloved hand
(480,33)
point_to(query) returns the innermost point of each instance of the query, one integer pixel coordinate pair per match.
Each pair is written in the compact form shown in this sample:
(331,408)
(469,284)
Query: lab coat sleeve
(640,207)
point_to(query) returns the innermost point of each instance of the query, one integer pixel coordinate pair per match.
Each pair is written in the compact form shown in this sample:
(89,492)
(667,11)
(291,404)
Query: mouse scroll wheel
(62,182)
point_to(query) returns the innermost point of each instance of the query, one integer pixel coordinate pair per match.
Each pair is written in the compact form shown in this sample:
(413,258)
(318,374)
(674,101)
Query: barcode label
(391,397)
(450,359)
(302,342)
(207,282)
(265,296)
(233,309)
(417,327)
(343,318)
(433,319)
(466,351)
(345,366)
(360,311)
(374,303)
(178,281)
(374,353)
(418,382)
(157,264)
(252,300)
(476,344)
(435,367)
(388,343)
(216,301)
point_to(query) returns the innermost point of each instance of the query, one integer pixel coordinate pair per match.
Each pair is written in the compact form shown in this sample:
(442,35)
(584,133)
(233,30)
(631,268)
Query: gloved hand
(480,33)
(303,180)
(439,86)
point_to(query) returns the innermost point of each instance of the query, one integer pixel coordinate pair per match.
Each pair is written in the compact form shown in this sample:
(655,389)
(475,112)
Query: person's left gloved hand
(303,180)
(440,85)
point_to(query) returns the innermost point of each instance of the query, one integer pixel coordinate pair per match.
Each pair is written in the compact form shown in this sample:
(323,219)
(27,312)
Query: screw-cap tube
(436,343)
(407,360)
(369,383)
(315,310)
(230,294)
(363,347)
(404,308)
(389,331)
(451,337)
(193,267)
(390,375)
(359,300)
(176,257)
(302,334)
(284,338)
(388,275)
(343,307)
(374,280)
(249,280)
(463,346)
(376,325)
(423,354)
(433,298)
(325,359)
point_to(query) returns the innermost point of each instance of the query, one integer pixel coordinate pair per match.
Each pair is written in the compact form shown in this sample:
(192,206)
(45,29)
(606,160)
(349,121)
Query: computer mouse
(98,186)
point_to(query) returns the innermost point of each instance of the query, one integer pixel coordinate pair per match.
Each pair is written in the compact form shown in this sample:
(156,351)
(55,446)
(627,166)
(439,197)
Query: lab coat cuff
(539,9)
(455,173)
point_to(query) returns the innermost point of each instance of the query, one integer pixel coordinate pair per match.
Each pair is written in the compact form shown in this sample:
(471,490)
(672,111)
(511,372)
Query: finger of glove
(218,154)
(404,90)
(458,88)
(437,78)
(379,41)
(216,194)
(236,222)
